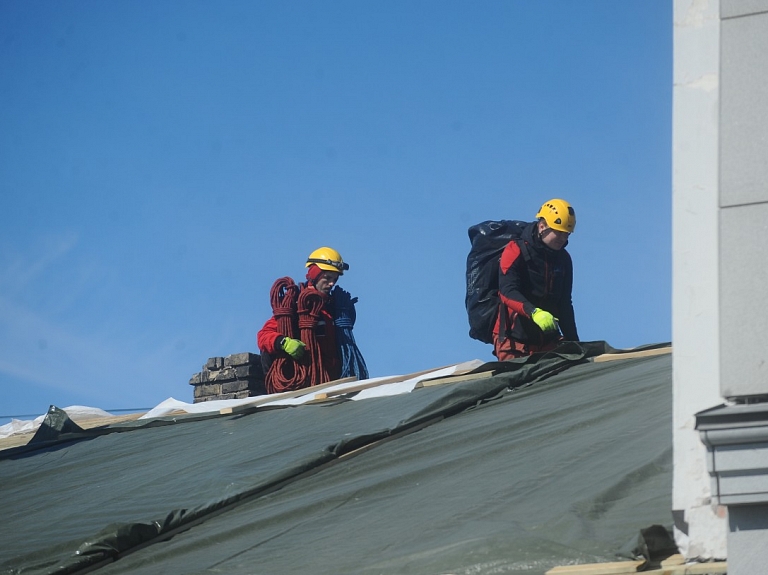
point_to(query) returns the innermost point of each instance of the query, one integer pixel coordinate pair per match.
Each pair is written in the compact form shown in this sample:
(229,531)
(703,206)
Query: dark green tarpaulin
(558,461)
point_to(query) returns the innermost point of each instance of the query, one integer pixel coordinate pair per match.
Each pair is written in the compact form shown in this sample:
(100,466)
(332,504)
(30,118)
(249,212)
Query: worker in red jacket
(324,267)
(535,284)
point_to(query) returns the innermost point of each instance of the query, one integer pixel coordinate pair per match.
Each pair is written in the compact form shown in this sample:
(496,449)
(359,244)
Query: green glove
(544,319)
(293,347)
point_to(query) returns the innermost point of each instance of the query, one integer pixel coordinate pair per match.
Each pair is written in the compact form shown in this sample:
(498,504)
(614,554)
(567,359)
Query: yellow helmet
(559,215)
(327,259)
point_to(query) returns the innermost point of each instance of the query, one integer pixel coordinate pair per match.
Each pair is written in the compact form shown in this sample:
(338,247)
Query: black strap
(525,249)
(341,266)
(502,321)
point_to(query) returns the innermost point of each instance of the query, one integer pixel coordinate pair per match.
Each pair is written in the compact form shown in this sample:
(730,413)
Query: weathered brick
(241,359)
(210,389)
(235,376)
(234,386)
(214,363)
(243,371)
(225,374)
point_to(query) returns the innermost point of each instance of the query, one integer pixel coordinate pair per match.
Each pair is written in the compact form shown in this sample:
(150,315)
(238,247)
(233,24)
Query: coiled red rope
(297,313)
(310,307)
(285,374)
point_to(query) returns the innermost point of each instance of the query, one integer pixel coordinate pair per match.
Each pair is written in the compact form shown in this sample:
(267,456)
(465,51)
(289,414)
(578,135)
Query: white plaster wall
(695,303)
(743,198)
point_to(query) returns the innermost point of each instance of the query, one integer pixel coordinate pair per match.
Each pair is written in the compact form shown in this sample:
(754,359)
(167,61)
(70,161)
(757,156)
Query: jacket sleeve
(567,319)
(511,268)
(268,336)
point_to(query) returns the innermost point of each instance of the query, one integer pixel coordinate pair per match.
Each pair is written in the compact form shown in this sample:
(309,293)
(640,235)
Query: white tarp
(397,386)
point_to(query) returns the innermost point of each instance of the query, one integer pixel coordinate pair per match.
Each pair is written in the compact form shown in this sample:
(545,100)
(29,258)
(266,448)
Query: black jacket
(532,275)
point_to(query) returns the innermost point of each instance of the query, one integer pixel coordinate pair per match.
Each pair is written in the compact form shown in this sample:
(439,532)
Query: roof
(547,461)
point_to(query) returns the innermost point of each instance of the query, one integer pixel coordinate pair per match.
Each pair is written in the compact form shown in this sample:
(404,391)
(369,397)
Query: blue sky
(162,163)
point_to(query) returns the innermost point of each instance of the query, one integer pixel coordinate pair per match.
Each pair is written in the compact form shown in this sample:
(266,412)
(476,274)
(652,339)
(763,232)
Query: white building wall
(744,197)
(700,526)
(720,226)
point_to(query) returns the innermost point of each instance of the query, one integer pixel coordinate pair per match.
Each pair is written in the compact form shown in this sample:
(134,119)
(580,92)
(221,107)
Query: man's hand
(545,320)
(293,347)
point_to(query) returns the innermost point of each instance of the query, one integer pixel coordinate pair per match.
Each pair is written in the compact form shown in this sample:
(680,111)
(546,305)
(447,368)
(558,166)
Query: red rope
(285,374)
(297,313)
(310,307)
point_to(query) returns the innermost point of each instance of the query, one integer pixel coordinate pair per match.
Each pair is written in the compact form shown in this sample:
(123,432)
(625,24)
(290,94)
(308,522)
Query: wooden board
(263,399)
(625,567)
(454,378)
(673,560)
(616,568)
(458,375)
(356,388)
(367,384)
(714,568)
(632,354)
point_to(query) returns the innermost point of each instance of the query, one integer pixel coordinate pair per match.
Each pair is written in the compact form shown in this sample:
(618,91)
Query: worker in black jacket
(535,284)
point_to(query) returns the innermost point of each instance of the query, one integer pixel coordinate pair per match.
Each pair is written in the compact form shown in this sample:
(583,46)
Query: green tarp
(555,461)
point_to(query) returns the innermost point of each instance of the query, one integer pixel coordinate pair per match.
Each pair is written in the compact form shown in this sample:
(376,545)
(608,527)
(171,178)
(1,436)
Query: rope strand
(310,307)
(285,374)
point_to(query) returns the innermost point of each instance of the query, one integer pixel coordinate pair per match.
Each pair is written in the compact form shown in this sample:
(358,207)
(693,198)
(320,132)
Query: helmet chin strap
(541,234)
(545,232)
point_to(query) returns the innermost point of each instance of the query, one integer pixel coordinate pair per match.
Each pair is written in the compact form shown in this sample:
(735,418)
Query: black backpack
(482,300)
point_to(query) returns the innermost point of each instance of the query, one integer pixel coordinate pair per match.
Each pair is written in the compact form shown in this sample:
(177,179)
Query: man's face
(325,282)
(553,239)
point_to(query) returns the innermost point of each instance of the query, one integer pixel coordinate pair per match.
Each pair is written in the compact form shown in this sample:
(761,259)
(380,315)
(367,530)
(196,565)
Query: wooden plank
(616,568)
(625,567)
(632,354)
(366,384)
(454,378)
(672,560)
(263,399)
(90,423)
(714,568)
(352,389)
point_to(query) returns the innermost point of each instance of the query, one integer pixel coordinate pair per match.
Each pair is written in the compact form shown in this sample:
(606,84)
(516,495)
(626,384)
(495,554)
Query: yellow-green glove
(544,319)
(293,347)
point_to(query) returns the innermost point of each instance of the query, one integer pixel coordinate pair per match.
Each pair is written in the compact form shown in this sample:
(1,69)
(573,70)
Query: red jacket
(325,331)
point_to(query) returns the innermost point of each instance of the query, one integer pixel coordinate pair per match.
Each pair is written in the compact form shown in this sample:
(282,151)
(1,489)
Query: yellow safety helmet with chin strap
(559,215)
(327,259)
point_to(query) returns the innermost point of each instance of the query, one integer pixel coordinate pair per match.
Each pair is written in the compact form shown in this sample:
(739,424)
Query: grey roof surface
(555,460)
